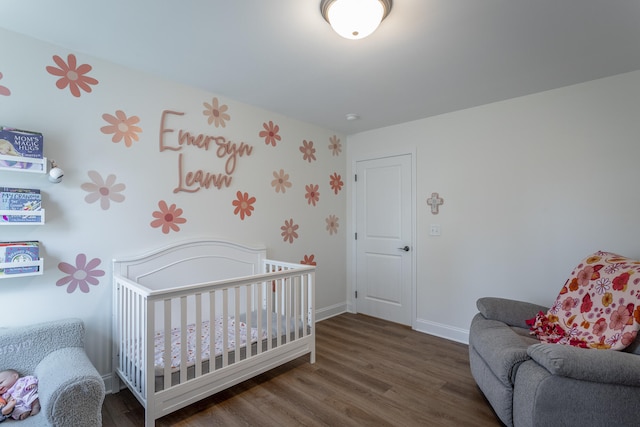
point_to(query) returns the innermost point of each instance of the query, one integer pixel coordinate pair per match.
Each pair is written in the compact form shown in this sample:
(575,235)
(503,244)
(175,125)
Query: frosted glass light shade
(355,19)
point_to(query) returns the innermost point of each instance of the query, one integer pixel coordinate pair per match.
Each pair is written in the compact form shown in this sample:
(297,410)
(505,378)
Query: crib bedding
(206,365)
(218,341)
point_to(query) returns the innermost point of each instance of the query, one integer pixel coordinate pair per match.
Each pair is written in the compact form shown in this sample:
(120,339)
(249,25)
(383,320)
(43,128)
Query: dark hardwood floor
(368,372)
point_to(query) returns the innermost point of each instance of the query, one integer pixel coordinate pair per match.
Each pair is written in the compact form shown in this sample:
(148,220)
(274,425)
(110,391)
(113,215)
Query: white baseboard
(327,312)
(443,331)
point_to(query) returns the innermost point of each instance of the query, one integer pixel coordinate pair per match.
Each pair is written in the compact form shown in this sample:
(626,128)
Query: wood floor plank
(368,372)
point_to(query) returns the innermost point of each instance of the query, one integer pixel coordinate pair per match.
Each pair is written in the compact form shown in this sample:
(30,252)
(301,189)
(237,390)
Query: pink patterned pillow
(598,307)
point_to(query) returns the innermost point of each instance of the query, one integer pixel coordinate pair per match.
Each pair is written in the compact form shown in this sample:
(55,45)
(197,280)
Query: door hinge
(356,236)
(356,177)
(356,294)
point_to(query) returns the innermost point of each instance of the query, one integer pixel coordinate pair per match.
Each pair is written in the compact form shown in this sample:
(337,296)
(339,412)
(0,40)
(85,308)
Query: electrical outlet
(435,230)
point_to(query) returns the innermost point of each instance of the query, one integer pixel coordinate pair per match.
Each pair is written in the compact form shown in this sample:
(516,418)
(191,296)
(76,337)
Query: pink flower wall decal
(81,275)
(312,195)
(270,133)
(289,230)
(332,224)
(336,183)
(106,191)
(243,204)
(3,89)
(217,113)
(335,146)
(308,260)
(168,217)
(307,150)
(72,75)
(281,181)
(121,127)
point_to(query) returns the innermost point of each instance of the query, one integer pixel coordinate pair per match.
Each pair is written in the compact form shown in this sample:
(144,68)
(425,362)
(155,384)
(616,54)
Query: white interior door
(384,238)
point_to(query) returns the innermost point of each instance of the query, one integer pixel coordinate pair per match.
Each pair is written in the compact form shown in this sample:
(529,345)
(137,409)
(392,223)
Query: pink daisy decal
(217,113)
(313,195)
(336,183)
(270,133)
(168,217)
(72,75)
(335,146)
(289,230)
(308,260)
(243,204)
(307,150)
(106,191)
(121,127)
(332,224)
(4,90)
(281,181)
(81,275)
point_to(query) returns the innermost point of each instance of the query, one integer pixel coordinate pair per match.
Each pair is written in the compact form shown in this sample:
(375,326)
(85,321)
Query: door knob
(406,249)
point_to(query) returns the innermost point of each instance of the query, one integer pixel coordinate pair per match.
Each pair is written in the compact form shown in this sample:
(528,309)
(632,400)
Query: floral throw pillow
(598,307)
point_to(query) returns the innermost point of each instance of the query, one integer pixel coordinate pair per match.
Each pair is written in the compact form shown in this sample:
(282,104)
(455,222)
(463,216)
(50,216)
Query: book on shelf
(18,252)
(20,143)
(21,200)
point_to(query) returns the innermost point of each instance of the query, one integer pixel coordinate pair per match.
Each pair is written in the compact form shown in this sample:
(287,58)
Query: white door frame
(351,242)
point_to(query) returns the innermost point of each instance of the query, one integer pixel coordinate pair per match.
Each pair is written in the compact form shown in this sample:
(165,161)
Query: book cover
(17,252)
(19,200)
(20,143)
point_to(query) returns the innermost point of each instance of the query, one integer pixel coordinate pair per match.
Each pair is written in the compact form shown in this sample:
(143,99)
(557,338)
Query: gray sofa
(70,389)
(529,383)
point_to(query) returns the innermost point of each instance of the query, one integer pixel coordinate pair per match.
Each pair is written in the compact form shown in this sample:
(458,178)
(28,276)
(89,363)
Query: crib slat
(225,327)
(136,340)
(271,292)
(287,308)
(167,342)
(198,366)
(259,296)
(183,339)
(296,305)
(247,309)
(212,328)
(236,332)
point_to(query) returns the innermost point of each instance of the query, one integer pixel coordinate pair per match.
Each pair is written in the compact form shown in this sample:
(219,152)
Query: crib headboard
(191,261)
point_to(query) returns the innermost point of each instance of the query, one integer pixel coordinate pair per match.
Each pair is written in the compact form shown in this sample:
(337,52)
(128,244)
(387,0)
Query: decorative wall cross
(435,201)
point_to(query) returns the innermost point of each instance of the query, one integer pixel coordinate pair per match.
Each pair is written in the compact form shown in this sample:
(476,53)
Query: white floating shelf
(4,265)
(33,165)
(38,220)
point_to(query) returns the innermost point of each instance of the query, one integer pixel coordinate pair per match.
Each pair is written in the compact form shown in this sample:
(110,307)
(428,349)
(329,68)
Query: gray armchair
(529,383)
(70,389)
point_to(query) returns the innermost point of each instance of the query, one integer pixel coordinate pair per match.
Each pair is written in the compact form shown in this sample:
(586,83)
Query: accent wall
(149,162)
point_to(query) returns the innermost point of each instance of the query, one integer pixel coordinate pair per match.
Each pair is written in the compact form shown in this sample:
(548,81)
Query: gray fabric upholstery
(551,384)
(502,350)
(601,366)
(511,312)
(542,399)
(70,389)
(497,393)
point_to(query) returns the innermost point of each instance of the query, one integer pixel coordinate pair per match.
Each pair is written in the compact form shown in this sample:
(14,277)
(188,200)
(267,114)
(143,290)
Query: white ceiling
(428,57)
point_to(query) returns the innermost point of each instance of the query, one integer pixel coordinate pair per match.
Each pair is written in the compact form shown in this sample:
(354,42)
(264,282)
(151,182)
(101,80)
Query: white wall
(530,186)
(73,137)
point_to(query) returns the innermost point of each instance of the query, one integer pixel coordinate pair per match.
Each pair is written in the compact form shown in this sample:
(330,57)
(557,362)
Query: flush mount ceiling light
(355,19)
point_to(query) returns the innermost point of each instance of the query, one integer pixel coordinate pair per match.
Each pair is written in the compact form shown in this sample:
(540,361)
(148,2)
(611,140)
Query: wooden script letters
(193,181)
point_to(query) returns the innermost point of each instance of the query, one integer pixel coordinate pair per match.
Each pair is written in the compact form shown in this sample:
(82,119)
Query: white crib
(193,303)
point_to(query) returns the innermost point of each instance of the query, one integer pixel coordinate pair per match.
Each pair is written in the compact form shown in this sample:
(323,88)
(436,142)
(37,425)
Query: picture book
(19,200)
(18,252)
